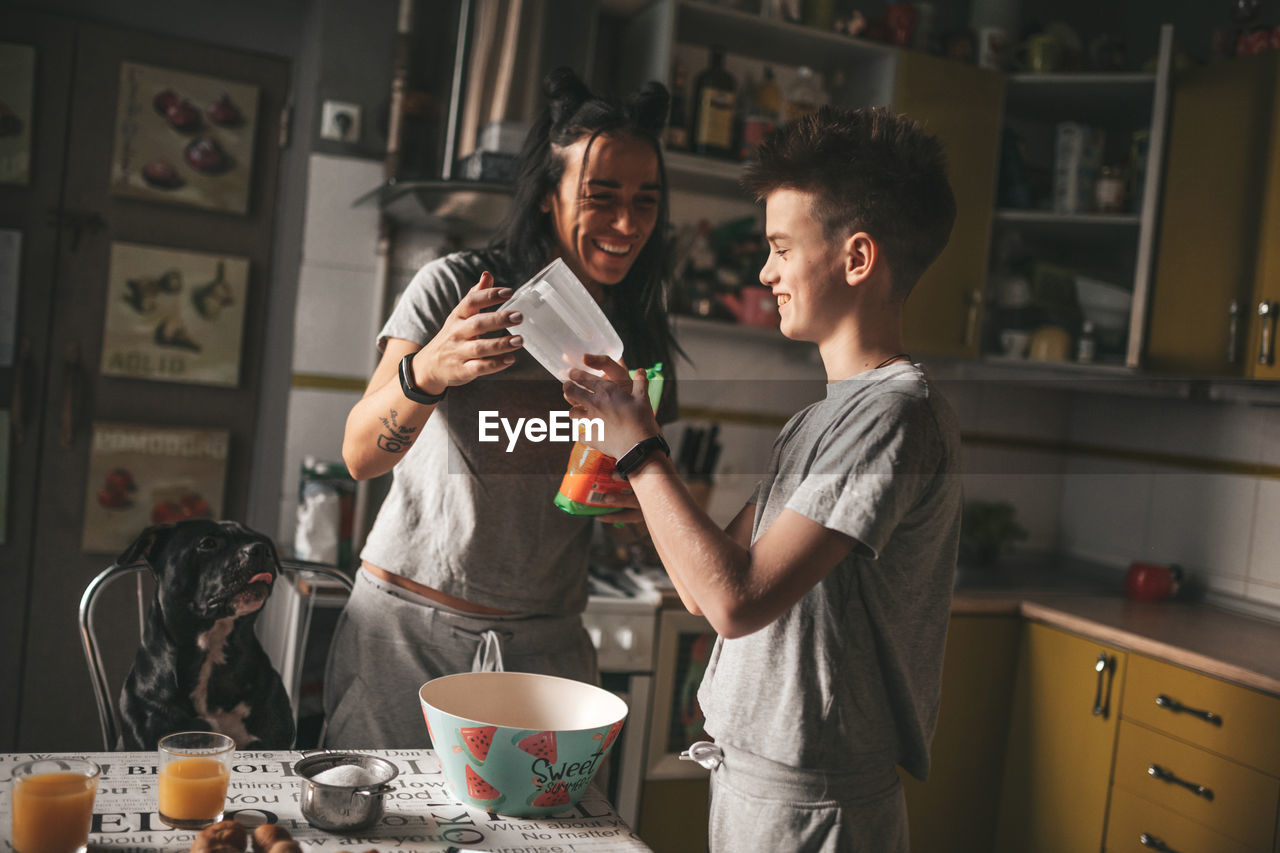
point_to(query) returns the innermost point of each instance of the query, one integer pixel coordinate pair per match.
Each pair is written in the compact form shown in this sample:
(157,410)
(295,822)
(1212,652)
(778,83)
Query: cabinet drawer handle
(1158,772)
(1105,667)
(22,385)
(1146,839)
(1177,707)
(1267,315)
(973,318)
(1233,331)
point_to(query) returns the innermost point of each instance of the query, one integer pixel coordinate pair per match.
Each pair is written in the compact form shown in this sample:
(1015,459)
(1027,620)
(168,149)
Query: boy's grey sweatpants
(758,804)
(389,642)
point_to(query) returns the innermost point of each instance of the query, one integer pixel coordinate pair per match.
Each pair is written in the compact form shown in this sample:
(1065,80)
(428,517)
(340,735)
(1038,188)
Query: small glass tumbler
(53,805)
(195,768)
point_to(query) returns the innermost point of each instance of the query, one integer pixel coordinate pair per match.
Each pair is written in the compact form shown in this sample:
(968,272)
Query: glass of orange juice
(195,768)
(53,805)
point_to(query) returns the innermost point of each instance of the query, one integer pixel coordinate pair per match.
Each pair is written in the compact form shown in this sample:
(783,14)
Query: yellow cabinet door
(1062,737)
(955,810)
(962,105)
(1220,210)
(1260,354)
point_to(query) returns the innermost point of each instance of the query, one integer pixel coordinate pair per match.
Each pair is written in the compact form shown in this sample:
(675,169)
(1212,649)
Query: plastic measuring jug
(561,321)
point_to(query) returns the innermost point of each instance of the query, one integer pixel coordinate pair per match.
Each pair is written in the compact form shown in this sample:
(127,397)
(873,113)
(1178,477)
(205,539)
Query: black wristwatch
(412,391)
(636,456)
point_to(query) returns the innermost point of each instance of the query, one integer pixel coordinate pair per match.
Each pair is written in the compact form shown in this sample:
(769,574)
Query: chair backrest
(108,714)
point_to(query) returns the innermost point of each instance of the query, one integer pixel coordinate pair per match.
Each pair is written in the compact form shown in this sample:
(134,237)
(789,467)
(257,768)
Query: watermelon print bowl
(519,744)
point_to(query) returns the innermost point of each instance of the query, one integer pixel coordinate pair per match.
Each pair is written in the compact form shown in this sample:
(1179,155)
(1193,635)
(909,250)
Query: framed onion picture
(174,315)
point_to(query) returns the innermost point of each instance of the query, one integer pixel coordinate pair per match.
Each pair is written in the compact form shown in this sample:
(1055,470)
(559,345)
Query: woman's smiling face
(605,209)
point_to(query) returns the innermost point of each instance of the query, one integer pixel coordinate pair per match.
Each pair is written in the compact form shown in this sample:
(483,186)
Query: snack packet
(589,479)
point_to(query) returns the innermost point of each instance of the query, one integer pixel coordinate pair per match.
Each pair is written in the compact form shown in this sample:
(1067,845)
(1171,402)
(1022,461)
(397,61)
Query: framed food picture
(184,138)
(174,315)
(685,641)
(143,475)
(17,94)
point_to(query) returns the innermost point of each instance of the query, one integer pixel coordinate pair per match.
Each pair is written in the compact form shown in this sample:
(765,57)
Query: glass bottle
(804,95)
(677,136)
(713,108)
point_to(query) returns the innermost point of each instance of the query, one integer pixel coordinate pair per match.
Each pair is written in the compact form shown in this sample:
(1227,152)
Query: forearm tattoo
(395,438)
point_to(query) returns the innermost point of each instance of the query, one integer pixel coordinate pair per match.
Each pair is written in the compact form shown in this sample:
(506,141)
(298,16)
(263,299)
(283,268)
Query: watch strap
(636,456)
(410,389)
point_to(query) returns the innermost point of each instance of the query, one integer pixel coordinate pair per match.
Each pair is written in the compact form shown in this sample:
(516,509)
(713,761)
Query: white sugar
(345,776)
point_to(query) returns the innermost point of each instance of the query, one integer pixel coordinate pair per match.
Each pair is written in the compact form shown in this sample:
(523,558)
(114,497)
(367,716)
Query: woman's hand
(619,400)
(457,353)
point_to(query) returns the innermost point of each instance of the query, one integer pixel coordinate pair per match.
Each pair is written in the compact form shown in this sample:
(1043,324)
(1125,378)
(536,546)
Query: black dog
(200,666)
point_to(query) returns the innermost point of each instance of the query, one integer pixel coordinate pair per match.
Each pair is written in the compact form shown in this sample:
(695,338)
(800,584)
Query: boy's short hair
(868,170)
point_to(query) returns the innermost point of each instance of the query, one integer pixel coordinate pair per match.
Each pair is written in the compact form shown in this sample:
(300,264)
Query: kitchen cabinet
(1057,260)
(1062,736)
(955,810)
(68,219)
(1217,288)
(1197,764)
(959,102)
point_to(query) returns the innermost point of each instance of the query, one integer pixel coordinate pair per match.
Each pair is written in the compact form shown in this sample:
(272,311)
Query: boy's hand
(621,401)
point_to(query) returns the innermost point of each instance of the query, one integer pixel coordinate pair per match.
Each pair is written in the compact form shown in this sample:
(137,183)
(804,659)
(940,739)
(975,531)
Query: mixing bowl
(519,744)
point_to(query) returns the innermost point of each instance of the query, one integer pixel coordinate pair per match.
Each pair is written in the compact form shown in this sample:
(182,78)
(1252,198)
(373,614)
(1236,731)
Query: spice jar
(1109,190)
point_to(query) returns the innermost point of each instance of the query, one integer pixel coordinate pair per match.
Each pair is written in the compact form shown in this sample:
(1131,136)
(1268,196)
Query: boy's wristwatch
(410,389)
(636,456)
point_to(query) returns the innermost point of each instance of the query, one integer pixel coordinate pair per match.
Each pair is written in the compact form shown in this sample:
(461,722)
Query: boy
(831,589)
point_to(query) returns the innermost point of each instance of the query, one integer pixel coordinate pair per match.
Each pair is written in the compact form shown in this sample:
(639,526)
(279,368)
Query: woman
(469,565)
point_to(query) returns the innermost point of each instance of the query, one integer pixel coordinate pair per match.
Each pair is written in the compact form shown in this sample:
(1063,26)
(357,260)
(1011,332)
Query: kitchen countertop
(1089,600)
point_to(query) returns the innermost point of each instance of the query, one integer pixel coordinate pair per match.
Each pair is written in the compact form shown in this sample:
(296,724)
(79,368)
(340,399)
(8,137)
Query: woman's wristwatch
(638,455)
(410,389)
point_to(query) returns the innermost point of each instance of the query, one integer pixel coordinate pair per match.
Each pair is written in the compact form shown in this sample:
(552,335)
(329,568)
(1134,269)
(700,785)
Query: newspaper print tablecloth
(421,814)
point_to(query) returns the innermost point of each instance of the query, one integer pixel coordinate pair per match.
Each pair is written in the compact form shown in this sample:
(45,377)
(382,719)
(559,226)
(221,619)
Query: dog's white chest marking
(230,722)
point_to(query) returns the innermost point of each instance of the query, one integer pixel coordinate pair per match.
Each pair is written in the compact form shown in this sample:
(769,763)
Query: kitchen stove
(621,619)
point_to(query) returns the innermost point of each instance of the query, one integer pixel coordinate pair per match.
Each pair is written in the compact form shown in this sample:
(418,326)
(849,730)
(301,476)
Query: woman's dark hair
(637,304)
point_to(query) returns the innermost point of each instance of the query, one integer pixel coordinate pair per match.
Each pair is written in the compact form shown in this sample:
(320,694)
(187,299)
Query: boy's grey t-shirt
(851,673)
(465,517)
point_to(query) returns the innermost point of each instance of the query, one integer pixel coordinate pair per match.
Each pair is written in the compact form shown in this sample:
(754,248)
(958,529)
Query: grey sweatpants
(757,804)
(389,642)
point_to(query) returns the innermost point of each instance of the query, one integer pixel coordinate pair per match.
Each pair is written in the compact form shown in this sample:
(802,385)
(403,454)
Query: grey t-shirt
(468,518)
(851,672)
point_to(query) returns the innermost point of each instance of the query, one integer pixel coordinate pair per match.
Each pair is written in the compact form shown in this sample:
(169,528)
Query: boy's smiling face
(805,270)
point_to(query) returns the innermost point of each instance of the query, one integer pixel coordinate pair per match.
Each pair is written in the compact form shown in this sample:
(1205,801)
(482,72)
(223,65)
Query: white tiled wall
(335,313)
(1219,525)
(1184,507)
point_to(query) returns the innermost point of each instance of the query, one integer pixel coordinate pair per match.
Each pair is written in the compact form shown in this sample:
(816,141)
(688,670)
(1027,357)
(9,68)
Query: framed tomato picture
(184,138)
(144,475)
(17,97)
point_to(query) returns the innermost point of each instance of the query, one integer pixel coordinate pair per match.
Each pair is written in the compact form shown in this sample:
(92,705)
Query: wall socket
(340,121)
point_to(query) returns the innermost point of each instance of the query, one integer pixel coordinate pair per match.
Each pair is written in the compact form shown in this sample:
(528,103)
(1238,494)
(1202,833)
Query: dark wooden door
(26,209)
(55,704)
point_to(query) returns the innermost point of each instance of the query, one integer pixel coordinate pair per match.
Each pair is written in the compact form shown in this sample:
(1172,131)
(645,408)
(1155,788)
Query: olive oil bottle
(713,109)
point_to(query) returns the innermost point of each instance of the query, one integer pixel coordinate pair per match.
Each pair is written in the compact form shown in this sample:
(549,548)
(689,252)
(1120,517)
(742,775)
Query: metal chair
(108,714)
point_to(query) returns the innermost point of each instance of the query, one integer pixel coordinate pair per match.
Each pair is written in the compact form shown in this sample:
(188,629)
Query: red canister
(1152,581)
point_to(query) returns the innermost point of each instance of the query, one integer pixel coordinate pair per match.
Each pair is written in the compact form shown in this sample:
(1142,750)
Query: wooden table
(421,814)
